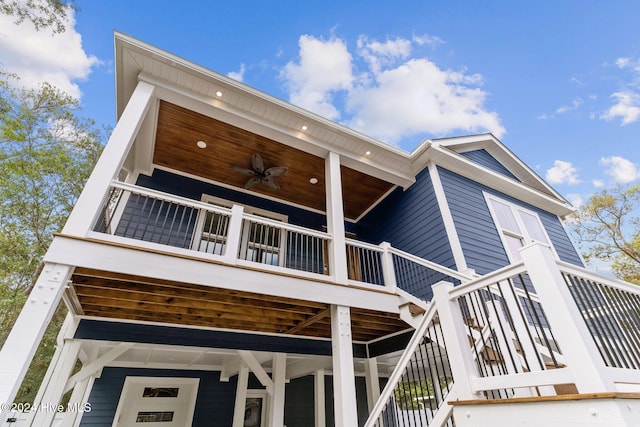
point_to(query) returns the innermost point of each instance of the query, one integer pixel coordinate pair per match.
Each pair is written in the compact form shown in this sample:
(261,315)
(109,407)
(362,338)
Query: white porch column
(456,340)
(23,340)
(87,207)
(319,402)
(344,383)
(372,382)
(335,218)
(241,396)
(78,402)
(276,400)
(53,393)
(577,346)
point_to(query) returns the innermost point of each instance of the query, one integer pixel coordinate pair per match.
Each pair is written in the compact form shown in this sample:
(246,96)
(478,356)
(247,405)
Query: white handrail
(432,265)
(398,371)
(565,267)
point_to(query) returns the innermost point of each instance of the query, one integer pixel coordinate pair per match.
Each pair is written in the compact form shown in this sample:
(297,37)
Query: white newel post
(344,384)
(456,340)
(575,341)
(335,219)
(23,340)
(234,234)
(388,272)
(87,207)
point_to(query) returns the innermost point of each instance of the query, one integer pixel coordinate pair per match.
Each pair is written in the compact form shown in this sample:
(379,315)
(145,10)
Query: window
(517,226)
(260,243)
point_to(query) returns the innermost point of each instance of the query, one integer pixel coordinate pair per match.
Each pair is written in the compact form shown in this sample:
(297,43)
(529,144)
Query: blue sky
(558,82)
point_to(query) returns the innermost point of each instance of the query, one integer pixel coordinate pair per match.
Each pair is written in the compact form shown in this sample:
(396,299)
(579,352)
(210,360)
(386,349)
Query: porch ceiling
(119,296)
(179,129)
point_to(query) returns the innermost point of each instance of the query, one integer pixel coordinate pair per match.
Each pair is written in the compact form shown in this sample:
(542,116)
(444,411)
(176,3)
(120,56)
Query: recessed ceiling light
(218,94)
(304,127)
(367,152)
(201,144)
(313,180)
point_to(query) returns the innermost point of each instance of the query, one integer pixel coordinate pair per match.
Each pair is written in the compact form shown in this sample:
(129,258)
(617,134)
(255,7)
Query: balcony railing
(534,329)
(231,235)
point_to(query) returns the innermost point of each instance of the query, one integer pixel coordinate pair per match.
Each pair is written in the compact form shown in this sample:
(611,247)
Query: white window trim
(525,236)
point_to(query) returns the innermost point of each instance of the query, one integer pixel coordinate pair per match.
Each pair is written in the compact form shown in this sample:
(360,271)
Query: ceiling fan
(261,175)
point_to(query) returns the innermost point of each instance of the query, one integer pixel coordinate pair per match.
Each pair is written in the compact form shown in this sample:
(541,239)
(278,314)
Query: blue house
(237,261)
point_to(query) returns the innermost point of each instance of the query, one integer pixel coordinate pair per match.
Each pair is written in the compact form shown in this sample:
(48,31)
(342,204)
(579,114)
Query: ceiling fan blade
(244,171)
(273,172)
(272,184)
(258,163)
(251,183)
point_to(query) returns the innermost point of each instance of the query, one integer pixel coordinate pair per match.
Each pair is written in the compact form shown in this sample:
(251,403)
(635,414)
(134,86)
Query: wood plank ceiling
(119,296)
(179,129)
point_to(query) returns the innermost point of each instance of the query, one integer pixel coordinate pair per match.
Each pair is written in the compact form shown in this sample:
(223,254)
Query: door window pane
(506,218)
(533,227)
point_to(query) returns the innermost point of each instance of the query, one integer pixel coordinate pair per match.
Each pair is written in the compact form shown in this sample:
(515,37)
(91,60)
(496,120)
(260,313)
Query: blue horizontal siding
(483,158)
(479,238)
(172,335)
(411,221)
(179,185)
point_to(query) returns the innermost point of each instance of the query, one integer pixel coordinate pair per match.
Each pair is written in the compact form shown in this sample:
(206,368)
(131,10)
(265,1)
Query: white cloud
(623,62)
(378,54)
(427,40)
(575,200)
(627,107)
(620,169)
(238,75)
(419,97)
(598,183)
(575,104)
(40,56)
(393,95)
(562,173)
(324,67)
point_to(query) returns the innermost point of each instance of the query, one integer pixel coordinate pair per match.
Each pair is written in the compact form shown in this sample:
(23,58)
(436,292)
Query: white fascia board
(93,255)
(501,153)
(462,166)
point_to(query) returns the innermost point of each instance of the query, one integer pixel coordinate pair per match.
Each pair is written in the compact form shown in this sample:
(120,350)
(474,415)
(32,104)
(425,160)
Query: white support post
(78,402)
(575,341)
(23,340)
(234,234)
(87,207)
(319,402)
(344,385)
(335,219)
(372,381)
(241,397)
(388,271)
(53,394)
(276,402)
(456,340)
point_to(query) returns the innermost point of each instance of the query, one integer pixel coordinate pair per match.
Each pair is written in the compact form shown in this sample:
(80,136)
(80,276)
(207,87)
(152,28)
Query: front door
(161,402)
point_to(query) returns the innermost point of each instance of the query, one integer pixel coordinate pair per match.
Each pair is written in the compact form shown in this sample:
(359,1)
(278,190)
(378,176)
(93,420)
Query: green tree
(608,228)
(41,13)
(46,153)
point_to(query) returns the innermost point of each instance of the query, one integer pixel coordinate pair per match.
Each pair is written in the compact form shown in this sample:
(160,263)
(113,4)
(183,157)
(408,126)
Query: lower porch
(139,372)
